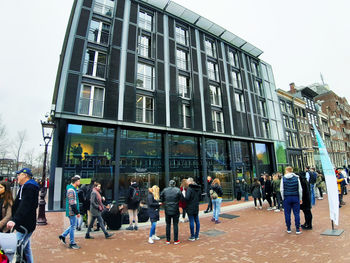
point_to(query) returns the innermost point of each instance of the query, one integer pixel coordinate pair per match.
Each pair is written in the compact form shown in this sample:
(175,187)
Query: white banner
(331,179)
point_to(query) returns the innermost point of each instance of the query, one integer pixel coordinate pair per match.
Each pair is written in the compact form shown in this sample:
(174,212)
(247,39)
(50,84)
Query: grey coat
(94,205)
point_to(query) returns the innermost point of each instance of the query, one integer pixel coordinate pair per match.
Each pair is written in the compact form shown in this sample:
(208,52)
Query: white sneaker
(154,237)
(256,207)
(274,208)
(260,207)
(269,209)
(277,210)
(150,240)
(182,220)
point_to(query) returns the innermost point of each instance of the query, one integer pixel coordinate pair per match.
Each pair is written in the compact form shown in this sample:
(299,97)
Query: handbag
(213,194)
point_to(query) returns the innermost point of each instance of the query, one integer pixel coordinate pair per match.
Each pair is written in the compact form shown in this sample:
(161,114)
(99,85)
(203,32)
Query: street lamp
(47,127)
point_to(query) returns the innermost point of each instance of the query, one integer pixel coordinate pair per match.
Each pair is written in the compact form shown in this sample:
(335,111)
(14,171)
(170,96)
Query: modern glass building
(153,91)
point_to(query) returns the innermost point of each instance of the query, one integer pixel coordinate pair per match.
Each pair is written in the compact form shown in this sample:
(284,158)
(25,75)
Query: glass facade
(184,158)
(140,158)
(89,152)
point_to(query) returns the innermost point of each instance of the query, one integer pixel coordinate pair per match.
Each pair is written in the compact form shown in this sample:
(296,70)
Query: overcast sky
(300,39)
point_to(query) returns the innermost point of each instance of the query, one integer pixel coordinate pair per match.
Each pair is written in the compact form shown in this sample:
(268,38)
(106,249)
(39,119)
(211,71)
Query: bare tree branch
(18,145)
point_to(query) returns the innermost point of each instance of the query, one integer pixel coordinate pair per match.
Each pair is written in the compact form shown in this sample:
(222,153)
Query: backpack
(313,177)
(213,194)
(136,195)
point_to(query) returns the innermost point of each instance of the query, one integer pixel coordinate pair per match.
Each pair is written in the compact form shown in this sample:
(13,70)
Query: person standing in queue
(192,197)
(171,197)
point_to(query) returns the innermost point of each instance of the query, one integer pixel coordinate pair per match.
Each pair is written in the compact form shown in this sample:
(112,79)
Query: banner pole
(332,225)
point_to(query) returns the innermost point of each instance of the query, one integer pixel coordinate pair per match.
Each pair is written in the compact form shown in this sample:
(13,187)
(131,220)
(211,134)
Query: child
(257,193)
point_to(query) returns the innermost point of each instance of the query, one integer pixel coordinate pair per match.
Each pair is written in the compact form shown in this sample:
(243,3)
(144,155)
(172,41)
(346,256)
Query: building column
(204,162)
(166,70)
(166,158)
(117,163)
(123,57)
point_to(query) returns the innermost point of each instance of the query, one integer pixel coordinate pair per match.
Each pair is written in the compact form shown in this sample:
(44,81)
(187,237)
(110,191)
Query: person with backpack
(86,190)
(133,202)
(153,211)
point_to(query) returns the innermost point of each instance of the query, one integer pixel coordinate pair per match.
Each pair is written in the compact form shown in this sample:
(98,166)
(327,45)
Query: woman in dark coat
(153,211)
(133,204)
(306,204)
(192,198)
(268,190)
(257,192)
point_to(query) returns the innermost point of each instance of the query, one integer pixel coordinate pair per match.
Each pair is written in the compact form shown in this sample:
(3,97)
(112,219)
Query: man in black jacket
(24,209)
(171,196)
(192,198)
(210,204)
(306,205)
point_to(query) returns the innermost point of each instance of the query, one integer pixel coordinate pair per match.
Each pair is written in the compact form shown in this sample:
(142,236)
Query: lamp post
(47,128)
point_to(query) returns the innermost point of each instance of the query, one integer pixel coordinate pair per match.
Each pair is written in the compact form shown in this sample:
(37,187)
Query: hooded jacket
(193,196)
(290,186)
(25,205)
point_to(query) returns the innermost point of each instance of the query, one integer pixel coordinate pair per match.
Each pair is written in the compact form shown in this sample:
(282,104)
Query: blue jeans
(312,190)
(27,249)
(192,219)
(246,196)
(152,232)
(292,202)
(70,229)
(216,207)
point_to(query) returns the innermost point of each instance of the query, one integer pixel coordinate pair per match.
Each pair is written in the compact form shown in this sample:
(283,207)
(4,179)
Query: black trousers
(239,196)
(210,204)
(175,219)
(259,201)
(268,198)
(308,217)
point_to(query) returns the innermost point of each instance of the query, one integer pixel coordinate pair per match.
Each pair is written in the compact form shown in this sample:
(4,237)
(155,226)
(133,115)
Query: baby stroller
(13,249)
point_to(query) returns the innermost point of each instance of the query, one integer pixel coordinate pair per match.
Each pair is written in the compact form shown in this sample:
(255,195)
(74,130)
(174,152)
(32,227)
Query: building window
(289,108)
(292,123)
(233,58)
(283,106)
(236,80)
(289,139)
(210,48)
(218,121)
(144,109)
(266,129)
(184,87)
(145,20)
(295,140)
(181,36)
(186,116)
(95,63)
(215,95)
(145,76)
(182,59)
(286,121)
(91,101)
(145,46)
(99,32)
(104,7)
(255,68)
(258,88)
(213,71)
(239,101)
(262,108)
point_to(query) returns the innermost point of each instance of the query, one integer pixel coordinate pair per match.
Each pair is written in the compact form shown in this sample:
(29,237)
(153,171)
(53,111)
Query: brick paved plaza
(254,236)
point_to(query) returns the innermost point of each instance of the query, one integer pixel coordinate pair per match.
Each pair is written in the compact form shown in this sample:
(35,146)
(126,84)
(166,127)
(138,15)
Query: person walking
(96,208)
(24,210)
(210,204)
(86,190)
(182,203)
(133,201)
(292,194)
(171,196)
(193,196)
(216,196)
(257,193)
(306,204)
(268,191)
(153,211)
(72,212)
(6,203)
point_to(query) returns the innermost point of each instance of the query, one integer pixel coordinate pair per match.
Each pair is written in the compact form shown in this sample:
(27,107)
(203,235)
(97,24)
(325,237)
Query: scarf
(99,199)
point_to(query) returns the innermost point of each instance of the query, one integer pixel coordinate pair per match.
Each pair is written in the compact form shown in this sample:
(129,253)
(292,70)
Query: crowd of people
(288,192)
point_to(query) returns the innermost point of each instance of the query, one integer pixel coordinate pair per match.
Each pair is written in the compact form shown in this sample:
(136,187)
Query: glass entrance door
(226,181)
